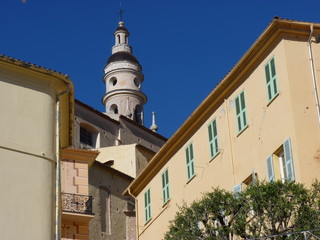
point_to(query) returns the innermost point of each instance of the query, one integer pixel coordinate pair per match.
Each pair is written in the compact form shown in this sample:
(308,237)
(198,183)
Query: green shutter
(270,169)
(213,138)
(190,161)
(271,79)
(288,160)
(165,186)
(147,205)
(241,111)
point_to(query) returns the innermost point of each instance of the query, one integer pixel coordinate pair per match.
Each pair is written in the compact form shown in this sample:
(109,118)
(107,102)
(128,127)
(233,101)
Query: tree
(276,208)
(262,209)
(209,218)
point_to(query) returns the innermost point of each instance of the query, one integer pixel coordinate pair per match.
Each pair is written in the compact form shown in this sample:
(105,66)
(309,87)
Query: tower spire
(123,78)
(121,13)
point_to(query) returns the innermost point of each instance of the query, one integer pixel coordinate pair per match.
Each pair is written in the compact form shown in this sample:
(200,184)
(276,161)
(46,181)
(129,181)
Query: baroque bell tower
(123,79)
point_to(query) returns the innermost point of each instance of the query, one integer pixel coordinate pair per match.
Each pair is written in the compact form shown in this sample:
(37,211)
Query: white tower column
(123,78)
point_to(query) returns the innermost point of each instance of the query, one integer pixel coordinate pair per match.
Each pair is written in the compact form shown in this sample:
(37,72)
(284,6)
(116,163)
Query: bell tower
(123,79)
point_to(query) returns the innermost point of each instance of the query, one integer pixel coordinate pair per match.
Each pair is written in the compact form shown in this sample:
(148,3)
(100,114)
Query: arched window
(138,114)
(88,136)
(137,82)
(114,109)
(113,81)
(118,39)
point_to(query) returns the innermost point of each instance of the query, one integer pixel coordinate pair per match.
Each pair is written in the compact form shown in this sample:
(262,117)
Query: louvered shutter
(164,187)
(146,213)
(270,169)
(147,205)
(188,163)
(237,188)
(288,160)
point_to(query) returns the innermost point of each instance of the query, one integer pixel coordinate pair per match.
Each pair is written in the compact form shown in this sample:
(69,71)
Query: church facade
(125,146)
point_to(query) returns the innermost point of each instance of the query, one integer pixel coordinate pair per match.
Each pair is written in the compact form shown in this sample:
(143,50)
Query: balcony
(75,203)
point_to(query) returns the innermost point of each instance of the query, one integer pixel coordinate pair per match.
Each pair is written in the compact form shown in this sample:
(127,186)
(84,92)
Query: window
(165,186)
(147,205)
(251,179)
(137,82)
(280,164)
(89,136)
(86,136)
(138,114)
(118,39)
(241,112)
(271,79)
(190,161)
(113,81)
(213,138)
(114,109)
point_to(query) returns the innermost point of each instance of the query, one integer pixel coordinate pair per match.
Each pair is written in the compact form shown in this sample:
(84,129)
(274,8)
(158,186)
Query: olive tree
(262,209)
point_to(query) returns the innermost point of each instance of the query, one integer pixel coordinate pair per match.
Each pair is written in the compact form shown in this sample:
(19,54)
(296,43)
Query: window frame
(214,142)
(284,164)
(190,162)
(147,205)
(241,111)
(165,186)
(272,86)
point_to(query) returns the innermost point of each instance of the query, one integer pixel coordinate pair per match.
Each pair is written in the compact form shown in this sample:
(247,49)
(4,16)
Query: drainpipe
(226,105)
(58,168)
(313,74)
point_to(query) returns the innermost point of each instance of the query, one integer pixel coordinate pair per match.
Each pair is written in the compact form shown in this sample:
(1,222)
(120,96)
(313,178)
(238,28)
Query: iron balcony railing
(76,203)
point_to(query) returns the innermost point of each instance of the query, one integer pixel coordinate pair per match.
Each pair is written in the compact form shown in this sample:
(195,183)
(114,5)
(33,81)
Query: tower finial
(121,13)
(154,126)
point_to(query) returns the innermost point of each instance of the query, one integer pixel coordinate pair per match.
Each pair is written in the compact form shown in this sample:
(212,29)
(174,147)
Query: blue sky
(185,47)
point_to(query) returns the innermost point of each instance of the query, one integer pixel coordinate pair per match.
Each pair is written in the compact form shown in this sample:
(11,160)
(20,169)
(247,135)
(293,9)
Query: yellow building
(261,121)
(36,122)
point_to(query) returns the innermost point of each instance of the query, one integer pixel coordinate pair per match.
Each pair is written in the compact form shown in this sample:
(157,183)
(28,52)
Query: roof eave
(52,73)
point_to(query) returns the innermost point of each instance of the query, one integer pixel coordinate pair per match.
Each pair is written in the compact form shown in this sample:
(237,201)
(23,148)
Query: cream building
(36,106)
(261,121)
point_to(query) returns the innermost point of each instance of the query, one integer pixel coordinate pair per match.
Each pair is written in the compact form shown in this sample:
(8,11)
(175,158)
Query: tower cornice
(121,70)
(125,92)
(122,65)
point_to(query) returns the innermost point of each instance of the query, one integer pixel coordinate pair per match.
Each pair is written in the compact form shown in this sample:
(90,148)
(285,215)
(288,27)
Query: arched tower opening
(138,114)
(114,109)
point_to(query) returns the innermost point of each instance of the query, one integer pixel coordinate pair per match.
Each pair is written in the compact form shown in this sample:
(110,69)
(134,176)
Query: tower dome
(123,79)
